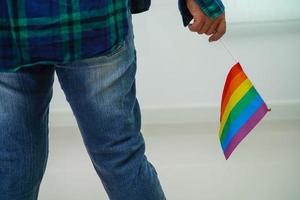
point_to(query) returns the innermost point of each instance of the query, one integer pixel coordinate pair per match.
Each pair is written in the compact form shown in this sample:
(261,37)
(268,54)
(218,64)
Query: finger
(216,36)
(196,25)
(215,24)
(212,28)
(205,26)
(221,29)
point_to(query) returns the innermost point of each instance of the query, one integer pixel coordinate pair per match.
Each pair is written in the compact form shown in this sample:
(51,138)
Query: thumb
(197,24)
(197,14)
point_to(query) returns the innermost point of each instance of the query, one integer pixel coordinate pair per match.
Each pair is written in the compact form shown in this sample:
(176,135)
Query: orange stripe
(232,73)
(234,84)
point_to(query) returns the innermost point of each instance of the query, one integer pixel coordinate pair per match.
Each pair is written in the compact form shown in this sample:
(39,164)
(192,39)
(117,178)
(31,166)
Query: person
(90,46)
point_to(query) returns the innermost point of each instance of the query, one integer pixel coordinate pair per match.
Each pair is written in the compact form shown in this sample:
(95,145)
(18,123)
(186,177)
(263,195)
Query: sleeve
(211,8)
(138,6)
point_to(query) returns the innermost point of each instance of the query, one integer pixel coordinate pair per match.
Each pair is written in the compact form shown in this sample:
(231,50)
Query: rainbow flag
(241,109)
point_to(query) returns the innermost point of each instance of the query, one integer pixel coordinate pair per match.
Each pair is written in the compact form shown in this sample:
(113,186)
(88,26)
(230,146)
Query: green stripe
(240,106)
(64,30)
(23,34)
(211,8)
(70,49)
(117,20)
(120,19)
(77,30)
(13,35)
(112,20)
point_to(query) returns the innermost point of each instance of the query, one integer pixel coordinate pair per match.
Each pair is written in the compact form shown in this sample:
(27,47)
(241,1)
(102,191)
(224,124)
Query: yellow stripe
(234,99)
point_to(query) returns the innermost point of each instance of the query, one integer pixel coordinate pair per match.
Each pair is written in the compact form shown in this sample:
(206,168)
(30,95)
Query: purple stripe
(245,129)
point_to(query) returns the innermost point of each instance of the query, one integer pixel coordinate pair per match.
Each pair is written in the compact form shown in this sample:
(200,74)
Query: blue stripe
(242,119)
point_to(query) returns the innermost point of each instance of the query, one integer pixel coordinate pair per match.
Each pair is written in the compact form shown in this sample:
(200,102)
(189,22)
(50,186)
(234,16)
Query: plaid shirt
(61,31)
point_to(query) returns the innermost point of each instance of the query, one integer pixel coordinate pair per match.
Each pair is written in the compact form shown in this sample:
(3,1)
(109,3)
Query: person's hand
(203,24)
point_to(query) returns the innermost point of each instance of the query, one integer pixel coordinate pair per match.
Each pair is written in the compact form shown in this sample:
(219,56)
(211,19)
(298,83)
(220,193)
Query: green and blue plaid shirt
(61,31)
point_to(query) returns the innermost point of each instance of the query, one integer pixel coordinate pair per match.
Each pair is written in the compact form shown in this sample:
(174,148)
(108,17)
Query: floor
(189,162)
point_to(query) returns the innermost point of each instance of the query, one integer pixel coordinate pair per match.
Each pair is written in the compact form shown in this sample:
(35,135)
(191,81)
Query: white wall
(258,10)
(180,75)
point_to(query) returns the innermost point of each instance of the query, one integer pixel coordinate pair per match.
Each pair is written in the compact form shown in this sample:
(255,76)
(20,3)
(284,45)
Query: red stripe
(235,69)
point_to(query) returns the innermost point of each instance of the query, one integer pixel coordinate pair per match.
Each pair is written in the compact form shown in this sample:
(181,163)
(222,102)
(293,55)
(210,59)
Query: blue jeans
(102,94)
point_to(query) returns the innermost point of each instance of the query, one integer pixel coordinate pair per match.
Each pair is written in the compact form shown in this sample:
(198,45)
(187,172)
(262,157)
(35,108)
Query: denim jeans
(102,94)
